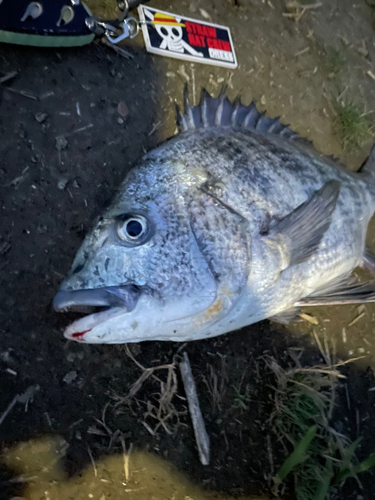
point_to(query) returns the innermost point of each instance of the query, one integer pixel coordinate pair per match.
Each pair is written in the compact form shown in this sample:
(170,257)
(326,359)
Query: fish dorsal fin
(220,111)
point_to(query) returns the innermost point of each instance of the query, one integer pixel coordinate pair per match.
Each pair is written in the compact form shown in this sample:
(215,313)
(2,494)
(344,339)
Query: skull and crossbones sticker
(184,38)
(170,30)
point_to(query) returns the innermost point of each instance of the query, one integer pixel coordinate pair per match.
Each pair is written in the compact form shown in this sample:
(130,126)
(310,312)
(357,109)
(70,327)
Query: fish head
(151,263)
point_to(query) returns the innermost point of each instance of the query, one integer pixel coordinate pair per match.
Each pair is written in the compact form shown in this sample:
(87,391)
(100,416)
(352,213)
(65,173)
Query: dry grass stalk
(126,455)
(217,383)
(295,10)
(160,408)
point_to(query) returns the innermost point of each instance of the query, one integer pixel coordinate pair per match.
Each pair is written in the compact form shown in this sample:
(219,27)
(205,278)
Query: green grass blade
(350,450)
(323,487)
(365,465)
(296,456)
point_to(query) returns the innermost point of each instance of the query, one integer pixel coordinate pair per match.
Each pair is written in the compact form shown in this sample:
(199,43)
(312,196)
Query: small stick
(48,419)
(201,436)
(22,479)
(92,461)
(309,318)
(154,128)
(344,335)
(24,93)
(119,50)
(303,51)
(76,131)
(347,396)
(126,455)
(342,94)
(10,406)
(297,15)
(20,398)
(357,318)
(8,76)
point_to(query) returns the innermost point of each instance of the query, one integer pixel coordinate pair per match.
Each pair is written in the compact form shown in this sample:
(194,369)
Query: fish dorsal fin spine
(220,111)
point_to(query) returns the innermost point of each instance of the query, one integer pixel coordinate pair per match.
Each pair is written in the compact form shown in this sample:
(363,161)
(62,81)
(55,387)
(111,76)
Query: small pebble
(61,142)
(69,377)
(41,117)
(120,121)
(122,109)
(62,183)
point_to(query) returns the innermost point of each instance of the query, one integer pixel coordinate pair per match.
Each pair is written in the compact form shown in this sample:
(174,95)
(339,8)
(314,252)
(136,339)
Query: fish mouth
(97,303)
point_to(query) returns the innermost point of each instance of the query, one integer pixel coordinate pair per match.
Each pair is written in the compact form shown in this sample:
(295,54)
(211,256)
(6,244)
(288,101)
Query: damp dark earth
(104,421)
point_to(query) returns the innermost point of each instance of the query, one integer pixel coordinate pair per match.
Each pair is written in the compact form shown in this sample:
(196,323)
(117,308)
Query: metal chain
(117,29)
(120,28)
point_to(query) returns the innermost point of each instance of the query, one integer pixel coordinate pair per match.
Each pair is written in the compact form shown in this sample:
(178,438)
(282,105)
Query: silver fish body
(232,221)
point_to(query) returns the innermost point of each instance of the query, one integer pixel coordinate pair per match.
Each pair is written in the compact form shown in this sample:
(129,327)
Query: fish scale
(237,219)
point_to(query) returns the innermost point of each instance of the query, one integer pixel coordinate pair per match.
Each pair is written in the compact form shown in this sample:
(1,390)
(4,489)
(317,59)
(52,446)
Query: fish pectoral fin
(299,234)
(349,292)
(369,260)
(288,316)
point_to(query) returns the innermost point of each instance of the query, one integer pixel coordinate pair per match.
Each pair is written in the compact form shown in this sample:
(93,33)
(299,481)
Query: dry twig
(201,436)
(296,10)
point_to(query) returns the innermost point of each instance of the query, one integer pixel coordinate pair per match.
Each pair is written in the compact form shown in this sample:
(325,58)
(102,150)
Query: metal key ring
(133,25)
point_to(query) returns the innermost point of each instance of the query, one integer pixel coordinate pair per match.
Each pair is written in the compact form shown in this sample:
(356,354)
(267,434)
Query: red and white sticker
(180,37)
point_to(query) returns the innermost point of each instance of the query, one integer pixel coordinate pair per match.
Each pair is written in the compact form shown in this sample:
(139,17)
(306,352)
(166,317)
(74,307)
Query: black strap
(17,16)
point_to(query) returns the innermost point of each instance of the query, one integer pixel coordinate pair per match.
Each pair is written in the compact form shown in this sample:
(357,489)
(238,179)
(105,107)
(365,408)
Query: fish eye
(133,229)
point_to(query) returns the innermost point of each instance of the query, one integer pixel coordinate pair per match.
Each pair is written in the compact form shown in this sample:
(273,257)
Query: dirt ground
(51,191)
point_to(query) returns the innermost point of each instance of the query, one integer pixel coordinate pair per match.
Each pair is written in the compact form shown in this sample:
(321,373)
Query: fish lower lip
(90,300)
(79,328)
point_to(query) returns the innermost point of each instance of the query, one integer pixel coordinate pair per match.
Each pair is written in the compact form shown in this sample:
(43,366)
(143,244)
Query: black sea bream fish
(234,220)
